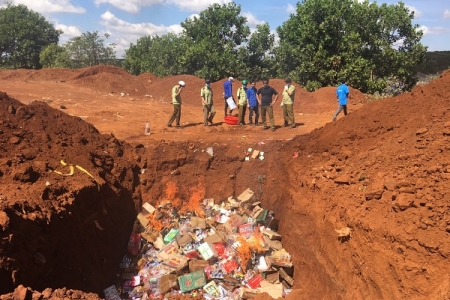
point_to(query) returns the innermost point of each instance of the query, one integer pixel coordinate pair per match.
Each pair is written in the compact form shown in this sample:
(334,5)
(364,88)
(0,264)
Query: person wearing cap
(228,93)
(242,101)
(176,101)
(206,94)
(252,103)
(288,103)
(264,96)
(342,93)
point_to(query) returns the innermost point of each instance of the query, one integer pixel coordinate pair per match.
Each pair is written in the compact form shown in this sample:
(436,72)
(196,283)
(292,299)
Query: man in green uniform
(288,104)
(206,94)
(242,101)
(176,101)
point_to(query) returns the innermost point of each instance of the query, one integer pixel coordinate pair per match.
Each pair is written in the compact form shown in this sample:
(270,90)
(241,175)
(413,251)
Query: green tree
(259,54)
(214,40)
(23,34)
(329,39)
(90,49)
(54,56)
(159,55)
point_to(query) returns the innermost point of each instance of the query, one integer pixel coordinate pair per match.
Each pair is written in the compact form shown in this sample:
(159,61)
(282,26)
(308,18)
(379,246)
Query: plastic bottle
(147,129)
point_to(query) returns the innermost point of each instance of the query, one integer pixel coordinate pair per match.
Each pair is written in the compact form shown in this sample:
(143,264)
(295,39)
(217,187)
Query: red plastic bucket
(231,120)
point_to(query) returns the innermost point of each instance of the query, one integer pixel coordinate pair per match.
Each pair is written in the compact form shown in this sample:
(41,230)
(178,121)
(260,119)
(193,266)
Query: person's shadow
(216,124)
(192,124)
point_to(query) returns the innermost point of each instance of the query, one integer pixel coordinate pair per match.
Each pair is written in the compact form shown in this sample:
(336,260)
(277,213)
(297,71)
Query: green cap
(244,81)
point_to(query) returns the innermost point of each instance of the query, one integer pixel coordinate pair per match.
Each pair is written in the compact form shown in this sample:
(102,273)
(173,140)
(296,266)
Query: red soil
(383,171)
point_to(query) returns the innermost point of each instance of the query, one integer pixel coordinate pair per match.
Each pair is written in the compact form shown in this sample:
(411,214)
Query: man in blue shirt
(252,103)
(342,97)
(227,93)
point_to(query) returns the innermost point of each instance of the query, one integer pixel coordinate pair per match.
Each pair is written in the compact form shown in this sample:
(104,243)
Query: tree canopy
(55,56)
(160,55)
(326,40)
(90,49)
(213,39)
(23,35)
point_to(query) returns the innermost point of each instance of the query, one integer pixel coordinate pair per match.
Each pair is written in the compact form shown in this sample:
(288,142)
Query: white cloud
(194,5)
(290,9)
(417,13)
(123,33)
(131,6)
(446,13)
(191,17)
(49,6)
(434,30)
(69,32)
(252,21)
(134,6)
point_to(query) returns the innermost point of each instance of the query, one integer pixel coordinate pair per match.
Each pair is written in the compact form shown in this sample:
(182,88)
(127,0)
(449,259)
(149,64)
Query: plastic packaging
(147,129)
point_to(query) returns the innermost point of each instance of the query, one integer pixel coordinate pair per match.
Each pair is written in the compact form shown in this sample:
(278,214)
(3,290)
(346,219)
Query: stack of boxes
(231,251)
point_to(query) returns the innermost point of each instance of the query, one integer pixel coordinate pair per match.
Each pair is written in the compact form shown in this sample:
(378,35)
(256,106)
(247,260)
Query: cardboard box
(273,277)
(246,230)
(197,265)
(256,211)
(168,250)
(246,195)
(272,235)
(206,251)
(170,236)
(261,217)
(212,289)
(192,281)
(176,261)
(184,240)
(273,244)
(214,238)
(197,222)
(148,207)
(167,282)
(142,218)
(255,281)
(230,266)
(233,223)
(150,236)
(274,290)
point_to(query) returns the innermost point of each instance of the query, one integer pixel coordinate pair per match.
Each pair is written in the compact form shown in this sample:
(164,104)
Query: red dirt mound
(325,99)
(148,77)
(383,171)
(111,79)
(54,225)
(50,74)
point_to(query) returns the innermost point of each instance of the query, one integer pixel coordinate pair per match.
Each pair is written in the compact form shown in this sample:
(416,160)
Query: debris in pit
(227,250)
(344,233)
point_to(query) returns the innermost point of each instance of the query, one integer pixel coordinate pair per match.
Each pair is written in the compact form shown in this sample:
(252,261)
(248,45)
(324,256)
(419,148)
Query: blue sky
(128,20)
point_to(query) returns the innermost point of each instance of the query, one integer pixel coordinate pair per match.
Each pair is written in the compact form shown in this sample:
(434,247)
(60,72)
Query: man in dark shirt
(264,96)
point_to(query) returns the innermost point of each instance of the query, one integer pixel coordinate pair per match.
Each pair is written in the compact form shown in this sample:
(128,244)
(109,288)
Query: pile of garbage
(220,251)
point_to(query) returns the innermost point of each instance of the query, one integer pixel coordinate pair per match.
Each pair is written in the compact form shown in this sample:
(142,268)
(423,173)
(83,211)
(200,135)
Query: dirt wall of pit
(68,228)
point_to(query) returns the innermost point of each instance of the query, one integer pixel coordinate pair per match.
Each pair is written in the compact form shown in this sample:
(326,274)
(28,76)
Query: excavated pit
(383,171)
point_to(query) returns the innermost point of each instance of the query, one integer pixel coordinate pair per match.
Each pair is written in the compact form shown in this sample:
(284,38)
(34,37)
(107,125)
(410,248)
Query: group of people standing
(259,102)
